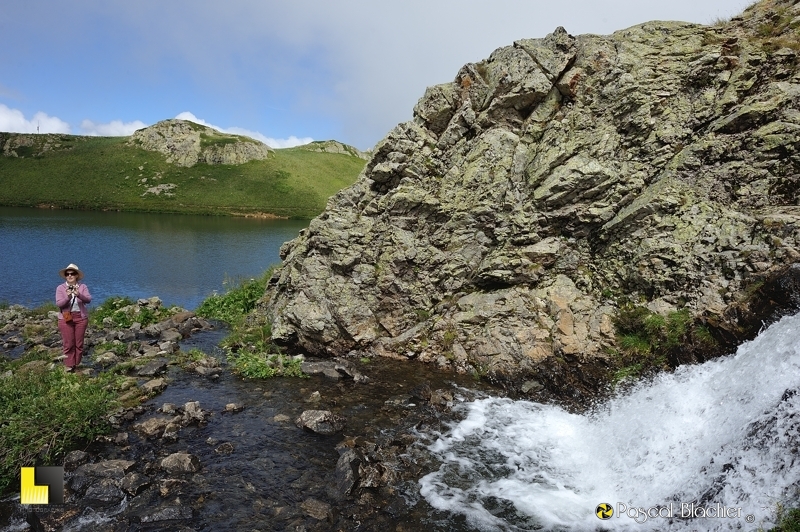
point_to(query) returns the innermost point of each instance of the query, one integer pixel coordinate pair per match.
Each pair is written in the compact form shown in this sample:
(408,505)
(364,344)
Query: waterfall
(712,446)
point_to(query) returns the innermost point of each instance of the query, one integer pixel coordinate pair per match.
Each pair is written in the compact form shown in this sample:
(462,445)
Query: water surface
(180,258)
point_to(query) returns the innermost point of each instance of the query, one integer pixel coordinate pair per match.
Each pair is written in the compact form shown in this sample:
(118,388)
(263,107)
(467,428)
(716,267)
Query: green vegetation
(233,306)
(256,364)
(45,413)
(250,350)
(112,175)
(788,519)
(116,347)
(646,338)
(124,312)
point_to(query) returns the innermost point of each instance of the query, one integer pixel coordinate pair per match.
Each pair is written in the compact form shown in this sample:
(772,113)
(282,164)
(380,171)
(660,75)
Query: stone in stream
(321,421)
(134,483)
(181,463)
(155,385)
(152,368)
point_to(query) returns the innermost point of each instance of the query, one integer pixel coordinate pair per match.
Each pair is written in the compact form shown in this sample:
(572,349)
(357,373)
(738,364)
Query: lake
(180,258)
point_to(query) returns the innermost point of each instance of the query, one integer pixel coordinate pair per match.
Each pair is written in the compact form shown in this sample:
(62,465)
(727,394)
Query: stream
(258,470)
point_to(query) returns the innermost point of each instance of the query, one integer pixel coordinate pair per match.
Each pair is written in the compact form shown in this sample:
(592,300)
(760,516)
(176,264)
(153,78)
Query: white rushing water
(710,439)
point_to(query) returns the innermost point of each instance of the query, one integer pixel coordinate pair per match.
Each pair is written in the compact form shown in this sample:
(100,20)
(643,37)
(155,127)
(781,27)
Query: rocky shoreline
(155,467)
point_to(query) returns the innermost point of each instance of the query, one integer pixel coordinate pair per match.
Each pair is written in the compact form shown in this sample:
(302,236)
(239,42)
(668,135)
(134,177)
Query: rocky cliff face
(499,229)
(186,144)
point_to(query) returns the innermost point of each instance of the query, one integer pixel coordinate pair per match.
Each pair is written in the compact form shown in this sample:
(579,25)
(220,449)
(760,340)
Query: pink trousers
(72,335)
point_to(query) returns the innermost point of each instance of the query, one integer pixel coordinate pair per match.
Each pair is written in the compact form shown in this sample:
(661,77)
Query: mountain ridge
(173,166)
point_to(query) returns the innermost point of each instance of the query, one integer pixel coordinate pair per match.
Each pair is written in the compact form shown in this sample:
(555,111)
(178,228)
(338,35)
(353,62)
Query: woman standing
(71,299)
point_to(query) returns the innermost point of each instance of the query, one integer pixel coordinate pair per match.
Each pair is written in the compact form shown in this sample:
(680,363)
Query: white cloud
(13,121)
(291,142)
(115,128)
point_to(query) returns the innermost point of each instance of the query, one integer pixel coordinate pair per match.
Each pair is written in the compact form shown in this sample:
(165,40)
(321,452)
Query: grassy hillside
(106,173)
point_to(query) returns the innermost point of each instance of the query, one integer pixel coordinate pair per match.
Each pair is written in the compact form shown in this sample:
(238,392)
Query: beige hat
(71,267)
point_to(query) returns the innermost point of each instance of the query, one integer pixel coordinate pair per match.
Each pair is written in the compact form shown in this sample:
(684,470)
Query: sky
(283,72)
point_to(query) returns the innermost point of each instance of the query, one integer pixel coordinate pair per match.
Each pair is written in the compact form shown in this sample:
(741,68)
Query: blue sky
(282,72)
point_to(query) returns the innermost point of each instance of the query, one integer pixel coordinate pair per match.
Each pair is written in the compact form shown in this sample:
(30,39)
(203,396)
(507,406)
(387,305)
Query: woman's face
(72,276)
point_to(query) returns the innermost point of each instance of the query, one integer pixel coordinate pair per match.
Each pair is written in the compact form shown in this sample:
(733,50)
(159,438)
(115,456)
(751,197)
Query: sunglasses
(70,273)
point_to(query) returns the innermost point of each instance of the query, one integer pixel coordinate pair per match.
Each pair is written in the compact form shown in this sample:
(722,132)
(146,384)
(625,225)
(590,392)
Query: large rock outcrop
(498,230)
(186,143)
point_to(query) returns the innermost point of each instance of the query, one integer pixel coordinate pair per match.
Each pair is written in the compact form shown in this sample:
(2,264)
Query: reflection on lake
(180,258)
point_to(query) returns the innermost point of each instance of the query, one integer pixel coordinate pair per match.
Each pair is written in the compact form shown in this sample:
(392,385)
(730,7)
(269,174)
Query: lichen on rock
(496,230)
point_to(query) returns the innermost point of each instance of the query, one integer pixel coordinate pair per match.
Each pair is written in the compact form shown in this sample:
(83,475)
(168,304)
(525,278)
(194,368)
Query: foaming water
(710,439)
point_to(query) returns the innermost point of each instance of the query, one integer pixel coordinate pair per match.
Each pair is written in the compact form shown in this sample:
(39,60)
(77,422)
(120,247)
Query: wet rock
(234,407)
(372,475)
(442,398)
(153,427)
(323,367)
(153,368)
(74,459)
(169,486)
(180,317)
(207,372)
(321,421)
(281,418)
(225,448)
(115,469)
(317,509)
(104,491)
(531,386)
(181,463)
(134,483)
(315,397)
(402,401)
(422,392)
(154,386)
(168,408)
(170,513)
(346,475)
(171,335)
(192,413)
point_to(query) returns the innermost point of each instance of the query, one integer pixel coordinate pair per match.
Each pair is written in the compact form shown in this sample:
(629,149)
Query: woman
(71,299)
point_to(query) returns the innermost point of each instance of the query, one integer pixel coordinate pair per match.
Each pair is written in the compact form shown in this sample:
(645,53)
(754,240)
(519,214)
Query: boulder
(499,231)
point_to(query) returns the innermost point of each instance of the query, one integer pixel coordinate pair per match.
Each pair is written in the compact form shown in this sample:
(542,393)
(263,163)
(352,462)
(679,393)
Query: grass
(258,364)
(250,350)
(645,338)
(788,520)
(241,297)
(47,413)
(292,183)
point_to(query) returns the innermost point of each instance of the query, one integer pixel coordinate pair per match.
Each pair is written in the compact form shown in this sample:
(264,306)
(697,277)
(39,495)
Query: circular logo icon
(604,511)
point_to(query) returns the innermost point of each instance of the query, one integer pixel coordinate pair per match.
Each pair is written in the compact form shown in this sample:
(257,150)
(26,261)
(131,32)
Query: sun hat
(63,272)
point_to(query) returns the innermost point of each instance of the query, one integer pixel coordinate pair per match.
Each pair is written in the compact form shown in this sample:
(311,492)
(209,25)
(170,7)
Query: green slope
(105,173)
